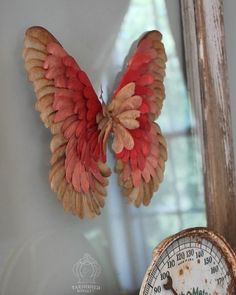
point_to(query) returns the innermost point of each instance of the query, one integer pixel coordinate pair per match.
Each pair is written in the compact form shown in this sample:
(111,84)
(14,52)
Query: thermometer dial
(192,262)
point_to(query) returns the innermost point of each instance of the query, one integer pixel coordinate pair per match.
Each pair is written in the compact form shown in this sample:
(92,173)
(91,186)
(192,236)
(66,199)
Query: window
(180,201)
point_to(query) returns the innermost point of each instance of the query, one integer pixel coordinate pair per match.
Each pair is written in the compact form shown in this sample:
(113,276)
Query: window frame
(206,66)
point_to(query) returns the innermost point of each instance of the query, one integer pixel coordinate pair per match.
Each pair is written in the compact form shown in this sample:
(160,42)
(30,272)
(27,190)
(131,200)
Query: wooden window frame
(206,64)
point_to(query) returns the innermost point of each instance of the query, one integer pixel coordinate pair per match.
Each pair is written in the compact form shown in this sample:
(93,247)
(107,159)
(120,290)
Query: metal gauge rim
(202,232)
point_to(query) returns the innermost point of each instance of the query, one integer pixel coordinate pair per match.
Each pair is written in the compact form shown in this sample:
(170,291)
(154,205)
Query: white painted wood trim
(208,87)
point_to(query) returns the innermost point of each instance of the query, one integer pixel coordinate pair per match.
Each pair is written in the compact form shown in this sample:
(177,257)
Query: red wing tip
(153,35)
(38,31)
(35,28)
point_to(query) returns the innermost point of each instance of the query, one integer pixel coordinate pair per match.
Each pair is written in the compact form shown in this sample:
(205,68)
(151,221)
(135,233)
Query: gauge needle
(169,285)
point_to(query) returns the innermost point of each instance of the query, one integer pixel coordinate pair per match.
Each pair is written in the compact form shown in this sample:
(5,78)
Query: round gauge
(193,262)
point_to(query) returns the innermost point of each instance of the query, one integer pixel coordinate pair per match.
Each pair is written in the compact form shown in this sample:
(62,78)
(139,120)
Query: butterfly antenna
(104,107)
(100,96)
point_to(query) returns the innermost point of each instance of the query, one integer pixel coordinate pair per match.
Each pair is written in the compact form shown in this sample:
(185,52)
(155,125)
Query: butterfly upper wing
(138,143)
(69,106)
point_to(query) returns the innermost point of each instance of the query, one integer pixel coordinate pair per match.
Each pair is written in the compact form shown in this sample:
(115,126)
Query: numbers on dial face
(189,266)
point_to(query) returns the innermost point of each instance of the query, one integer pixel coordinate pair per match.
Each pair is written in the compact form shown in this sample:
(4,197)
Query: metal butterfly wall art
(80,124)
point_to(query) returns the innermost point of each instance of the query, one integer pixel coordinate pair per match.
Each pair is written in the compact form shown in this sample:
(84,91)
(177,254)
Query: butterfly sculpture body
(80,123)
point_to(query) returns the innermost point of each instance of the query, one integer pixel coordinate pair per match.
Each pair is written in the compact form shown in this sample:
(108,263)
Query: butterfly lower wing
(68,106)
(139,146)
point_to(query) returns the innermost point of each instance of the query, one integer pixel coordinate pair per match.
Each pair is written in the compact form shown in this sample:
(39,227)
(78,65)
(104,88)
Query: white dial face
(189,266)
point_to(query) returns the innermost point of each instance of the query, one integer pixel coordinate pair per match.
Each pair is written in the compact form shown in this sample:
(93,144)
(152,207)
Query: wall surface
(229,18)
(32,222)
